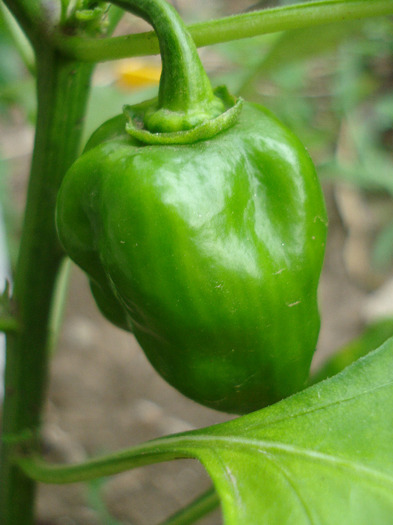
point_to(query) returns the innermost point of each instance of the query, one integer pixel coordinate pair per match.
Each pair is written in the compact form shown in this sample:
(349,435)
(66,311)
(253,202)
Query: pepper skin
(201,224)
(209,252)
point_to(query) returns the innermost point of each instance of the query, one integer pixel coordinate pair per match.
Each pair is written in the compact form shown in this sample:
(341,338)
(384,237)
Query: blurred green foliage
(374,336)
(16,84)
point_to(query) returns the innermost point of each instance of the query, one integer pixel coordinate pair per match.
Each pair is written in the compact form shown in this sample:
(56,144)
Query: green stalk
(177,109)
(58,303)
(168,448)
(196,510)
(62,94)
(236,27)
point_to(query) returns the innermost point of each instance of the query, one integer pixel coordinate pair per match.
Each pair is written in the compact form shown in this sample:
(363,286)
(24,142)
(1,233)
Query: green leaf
(323,456)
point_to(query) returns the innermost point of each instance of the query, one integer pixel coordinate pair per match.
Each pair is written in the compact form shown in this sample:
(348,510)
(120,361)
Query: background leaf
(373,336)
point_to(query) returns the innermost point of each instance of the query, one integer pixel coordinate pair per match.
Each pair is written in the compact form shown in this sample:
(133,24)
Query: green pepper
(201,224)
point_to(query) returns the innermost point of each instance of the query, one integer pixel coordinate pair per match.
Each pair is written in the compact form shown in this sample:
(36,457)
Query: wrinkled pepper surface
(200,222)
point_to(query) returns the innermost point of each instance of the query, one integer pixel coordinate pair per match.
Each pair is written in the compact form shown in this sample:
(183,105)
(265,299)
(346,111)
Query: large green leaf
(323,456)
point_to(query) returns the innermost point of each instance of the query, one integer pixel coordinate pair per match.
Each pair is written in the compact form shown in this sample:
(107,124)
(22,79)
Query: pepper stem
(186,98)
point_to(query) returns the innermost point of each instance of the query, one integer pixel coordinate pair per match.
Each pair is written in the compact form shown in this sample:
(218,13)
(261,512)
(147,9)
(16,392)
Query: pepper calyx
(136,121)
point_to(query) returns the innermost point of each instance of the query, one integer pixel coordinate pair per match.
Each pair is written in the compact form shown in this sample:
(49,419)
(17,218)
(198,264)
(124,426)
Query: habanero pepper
(201,224)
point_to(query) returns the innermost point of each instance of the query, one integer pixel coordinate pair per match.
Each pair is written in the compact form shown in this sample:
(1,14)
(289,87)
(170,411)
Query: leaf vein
(295,489)
(311,410)
(249,445)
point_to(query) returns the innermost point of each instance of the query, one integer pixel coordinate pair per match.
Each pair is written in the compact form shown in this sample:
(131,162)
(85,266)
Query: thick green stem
(62,95)
(185,96)
(245,25)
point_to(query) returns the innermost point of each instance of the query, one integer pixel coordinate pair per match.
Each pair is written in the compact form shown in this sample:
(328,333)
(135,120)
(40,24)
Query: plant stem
(58,303)
(181,65)
(177,109)
(195,510)
(245,25)
(62,94)
(155,451)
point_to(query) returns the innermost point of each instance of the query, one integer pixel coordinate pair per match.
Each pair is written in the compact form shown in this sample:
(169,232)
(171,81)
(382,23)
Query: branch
(155,451)
(245,25)
(196,510)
